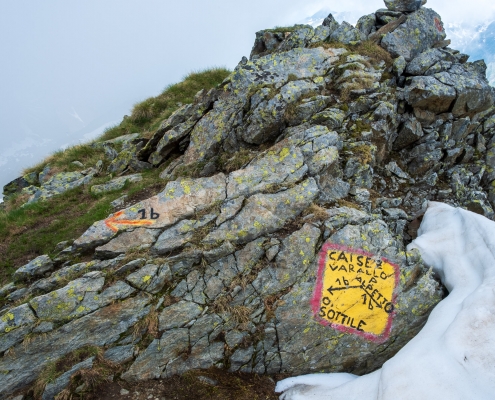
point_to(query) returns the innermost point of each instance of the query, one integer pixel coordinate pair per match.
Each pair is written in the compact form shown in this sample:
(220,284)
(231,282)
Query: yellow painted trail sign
(355,292)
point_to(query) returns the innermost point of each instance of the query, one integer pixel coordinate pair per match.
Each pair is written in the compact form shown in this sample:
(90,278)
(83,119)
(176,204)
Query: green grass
(145,118)
(148,114)
(33,230)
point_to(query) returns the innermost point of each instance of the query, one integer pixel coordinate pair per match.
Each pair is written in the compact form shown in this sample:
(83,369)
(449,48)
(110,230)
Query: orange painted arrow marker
(113,223)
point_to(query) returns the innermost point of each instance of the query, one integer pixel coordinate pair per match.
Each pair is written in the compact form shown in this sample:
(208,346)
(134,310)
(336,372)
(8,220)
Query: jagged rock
(273,70)
(366,24)
(139,238)
(298,251)
(97,329)
(264,213)
(429,93)
(331,118)
(410,133)
(57,184)
(130,267)
(68,273)
(235,283)
(14,325)
(474,94)
(35,268)
(266,120)
(178,315)
(266,41)
(330,22)
(66,303)
(422,163)
(321,34)
(116,184)
(396,170)
(17,185)
(404,5)
(347,34)
(420,32)
(431,62)
(179,200)
(299,38)
(216,254)
(333,189)
(54,388)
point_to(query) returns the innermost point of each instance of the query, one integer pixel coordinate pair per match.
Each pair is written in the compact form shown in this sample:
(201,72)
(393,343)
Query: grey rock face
(330,22)
(366,24)
(299,38)
(431,62)
(265,213)
(35,268)
(429,93)
(420,32)
(97,329)
(179,200)
(180,234)
(410,133)
(347,34)
(139,238)
(283,166)
(120,354)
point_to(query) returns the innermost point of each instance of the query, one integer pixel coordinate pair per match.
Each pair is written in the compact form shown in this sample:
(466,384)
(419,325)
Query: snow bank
(453,357)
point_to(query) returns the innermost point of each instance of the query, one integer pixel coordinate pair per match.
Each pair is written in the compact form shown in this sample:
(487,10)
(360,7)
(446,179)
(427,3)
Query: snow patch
(453,357)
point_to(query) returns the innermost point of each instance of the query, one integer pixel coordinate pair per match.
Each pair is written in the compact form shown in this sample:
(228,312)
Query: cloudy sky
(70,68)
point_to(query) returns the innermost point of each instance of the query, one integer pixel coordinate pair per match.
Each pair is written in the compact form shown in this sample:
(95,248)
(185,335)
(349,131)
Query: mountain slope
(267,219)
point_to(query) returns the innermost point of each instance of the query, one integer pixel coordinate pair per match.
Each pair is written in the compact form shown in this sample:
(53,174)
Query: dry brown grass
(317,212)
(364,153)
(148,324)
(374,51)
(357,84)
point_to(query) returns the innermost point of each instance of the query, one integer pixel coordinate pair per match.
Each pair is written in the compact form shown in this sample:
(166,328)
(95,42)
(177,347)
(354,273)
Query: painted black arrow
(332,289)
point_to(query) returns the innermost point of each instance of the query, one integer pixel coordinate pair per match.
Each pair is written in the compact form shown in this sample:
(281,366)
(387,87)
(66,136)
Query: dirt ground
(211,384)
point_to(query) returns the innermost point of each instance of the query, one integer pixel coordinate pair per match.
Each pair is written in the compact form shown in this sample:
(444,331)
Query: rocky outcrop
(307,147)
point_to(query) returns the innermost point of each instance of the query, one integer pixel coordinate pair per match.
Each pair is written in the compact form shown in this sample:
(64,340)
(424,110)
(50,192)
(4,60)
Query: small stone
(78,164)
(119,202)
(208,381)
(431,179)
(124,392)
(396,170)
(116,184)
(35,268)
(18,294)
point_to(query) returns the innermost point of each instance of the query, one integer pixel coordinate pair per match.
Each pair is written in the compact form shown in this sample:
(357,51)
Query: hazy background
(69,69)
